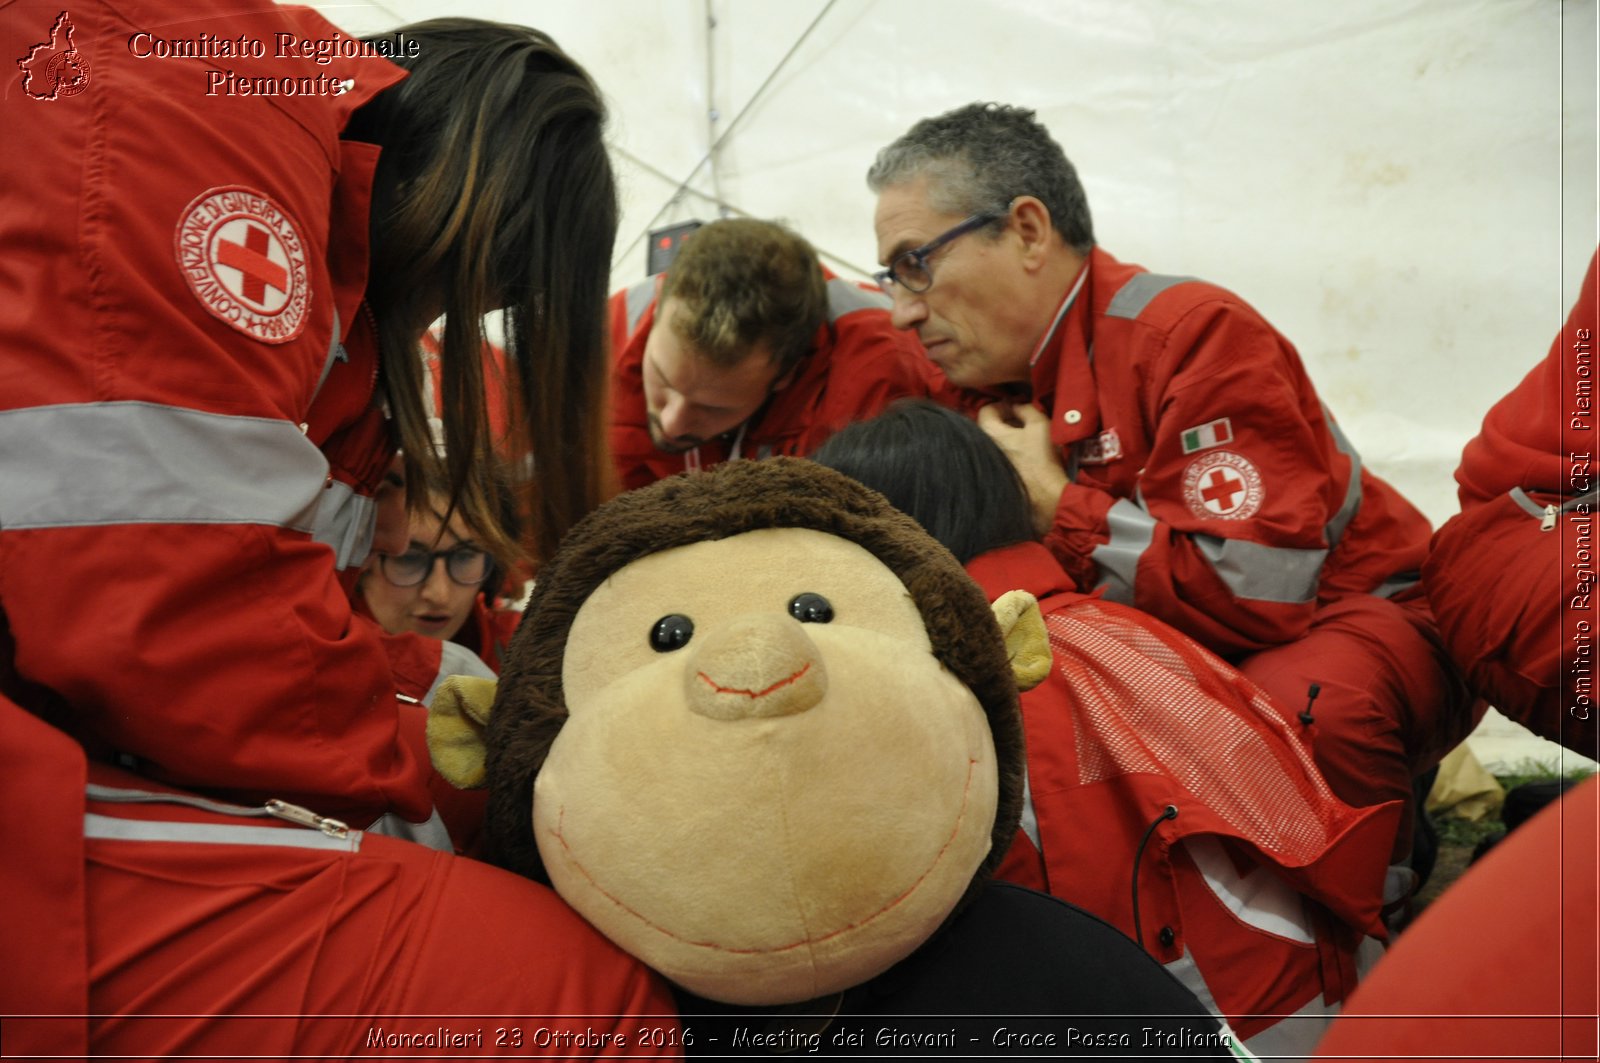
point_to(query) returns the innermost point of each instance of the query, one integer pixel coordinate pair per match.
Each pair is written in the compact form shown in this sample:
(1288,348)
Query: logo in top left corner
(55,69)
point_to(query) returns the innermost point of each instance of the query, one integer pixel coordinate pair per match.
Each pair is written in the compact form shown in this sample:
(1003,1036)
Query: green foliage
(1538,771)
(1467,833)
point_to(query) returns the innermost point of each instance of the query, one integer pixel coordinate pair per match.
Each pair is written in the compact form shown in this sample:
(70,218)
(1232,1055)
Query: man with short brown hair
(748,348)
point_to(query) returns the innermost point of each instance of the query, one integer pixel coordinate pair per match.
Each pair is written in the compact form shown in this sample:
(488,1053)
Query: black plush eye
(671,632)
(811,608)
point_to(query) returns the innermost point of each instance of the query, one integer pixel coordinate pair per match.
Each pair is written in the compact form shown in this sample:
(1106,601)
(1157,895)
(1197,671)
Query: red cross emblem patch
(1223,485)
(245,261)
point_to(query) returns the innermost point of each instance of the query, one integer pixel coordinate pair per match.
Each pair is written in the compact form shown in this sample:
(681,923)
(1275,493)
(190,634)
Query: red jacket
(177,417)
(1529,436)
(1503,965)
(860,363)
(1134,718)
(216,931)
(488,632)
(1512,577)
(1210,486)
(177,420)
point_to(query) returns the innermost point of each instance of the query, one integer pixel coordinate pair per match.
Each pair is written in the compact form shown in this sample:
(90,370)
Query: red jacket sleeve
(1226,535)
(1528,436)
(168,319)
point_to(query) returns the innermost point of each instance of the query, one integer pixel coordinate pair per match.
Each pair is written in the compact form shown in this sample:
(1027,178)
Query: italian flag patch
(1202,436)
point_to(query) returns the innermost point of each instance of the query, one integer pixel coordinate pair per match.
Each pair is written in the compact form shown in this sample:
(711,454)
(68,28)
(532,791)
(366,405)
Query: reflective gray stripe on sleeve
(1030,818)
(1589,497)
(1132,531)
(456,659)
(109,828)
(846,297)
(432,834)
(1133,297)
(345,521)
(144,463)
(120,796)
(1264,573)
(1249,570)
(1520,497)
(1334,530)
(637,301)
(1395,584)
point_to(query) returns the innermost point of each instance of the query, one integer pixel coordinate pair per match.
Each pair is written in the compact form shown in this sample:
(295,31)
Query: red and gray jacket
(859,363)
(1210,487)
(1166,796)
(188,416)
(1512,577)
(158,924)
(1537,443)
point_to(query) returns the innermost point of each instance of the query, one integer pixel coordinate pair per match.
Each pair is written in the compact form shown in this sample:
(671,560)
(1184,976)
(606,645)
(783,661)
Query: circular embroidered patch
(1223,484)
(245,261)
(67,74)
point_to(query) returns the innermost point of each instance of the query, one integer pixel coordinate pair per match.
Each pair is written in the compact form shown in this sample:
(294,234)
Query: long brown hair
(494,189)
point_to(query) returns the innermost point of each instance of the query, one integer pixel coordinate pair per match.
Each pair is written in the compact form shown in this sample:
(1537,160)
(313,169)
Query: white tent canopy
(1406,189)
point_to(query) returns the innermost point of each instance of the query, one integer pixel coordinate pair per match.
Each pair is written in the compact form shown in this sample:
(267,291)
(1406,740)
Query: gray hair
(979,157)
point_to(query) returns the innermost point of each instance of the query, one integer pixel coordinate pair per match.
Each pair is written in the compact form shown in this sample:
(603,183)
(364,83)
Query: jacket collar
(1063,372)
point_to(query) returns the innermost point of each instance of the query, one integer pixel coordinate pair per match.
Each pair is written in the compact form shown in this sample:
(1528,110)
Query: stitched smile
(779,685)
(805,942)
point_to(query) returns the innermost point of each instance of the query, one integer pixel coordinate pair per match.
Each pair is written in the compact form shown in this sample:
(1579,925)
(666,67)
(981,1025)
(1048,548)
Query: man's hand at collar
(1024,434)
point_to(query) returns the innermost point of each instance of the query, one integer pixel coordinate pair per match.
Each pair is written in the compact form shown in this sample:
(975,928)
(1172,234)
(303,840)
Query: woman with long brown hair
(495,191)
(226,226)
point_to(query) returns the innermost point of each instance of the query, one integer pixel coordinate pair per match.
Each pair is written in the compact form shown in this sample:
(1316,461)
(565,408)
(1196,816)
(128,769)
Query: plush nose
(756,665)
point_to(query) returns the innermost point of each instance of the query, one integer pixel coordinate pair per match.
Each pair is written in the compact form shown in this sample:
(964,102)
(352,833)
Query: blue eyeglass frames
(910,269)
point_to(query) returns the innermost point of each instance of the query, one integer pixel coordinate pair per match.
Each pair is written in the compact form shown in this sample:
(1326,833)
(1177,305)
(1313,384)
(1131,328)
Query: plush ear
(1027,645)
(456,721)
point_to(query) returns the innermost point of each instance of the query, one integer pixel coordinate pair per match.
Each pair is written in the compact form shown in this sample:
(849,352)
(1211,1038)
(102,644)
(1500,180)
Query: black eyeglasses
(466,565)
(910,269)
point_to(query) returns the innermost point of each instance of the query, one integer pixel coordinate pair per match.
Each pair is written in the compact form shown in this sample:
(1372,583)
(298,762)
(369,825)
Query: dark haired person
(1256,887)
(440,605)
(747,347)
(209,326)
(445,585)
(1188,467)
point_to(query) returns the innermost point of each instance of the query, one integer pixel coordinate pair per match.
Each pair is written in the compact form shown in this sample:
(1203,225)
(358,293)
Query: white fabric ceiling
(1406,189)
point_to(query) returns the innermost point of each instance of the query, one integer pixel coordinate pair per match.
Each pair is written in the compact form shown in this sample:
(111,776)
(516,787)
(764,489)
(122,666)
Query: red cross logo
(1220,488)
(1223,484)
(244,258)
(250,259)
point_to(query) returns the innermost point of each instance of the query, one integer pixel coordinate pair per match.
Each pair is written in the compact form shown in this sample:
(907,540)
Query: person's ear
(1030,219)
(1027,644)
(456,721)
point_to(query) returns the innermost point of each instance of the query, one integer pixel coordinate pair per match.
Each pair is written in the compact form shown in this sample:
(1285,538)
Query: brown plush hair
(724,501)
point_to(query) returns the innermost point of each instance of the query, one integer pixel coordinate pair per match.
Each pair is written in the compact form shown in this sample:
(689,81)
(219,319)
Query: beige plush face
(775,809)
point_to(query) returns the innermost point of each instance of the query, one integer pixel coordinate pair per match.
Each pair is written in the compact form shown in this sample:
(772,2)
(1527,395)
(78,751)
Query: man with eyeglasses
(1173,447)
(747,348)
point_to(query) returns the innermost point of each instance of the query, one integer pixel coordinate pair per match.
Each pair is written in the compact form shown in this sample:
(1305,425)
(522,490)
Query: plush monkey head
(757,727)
